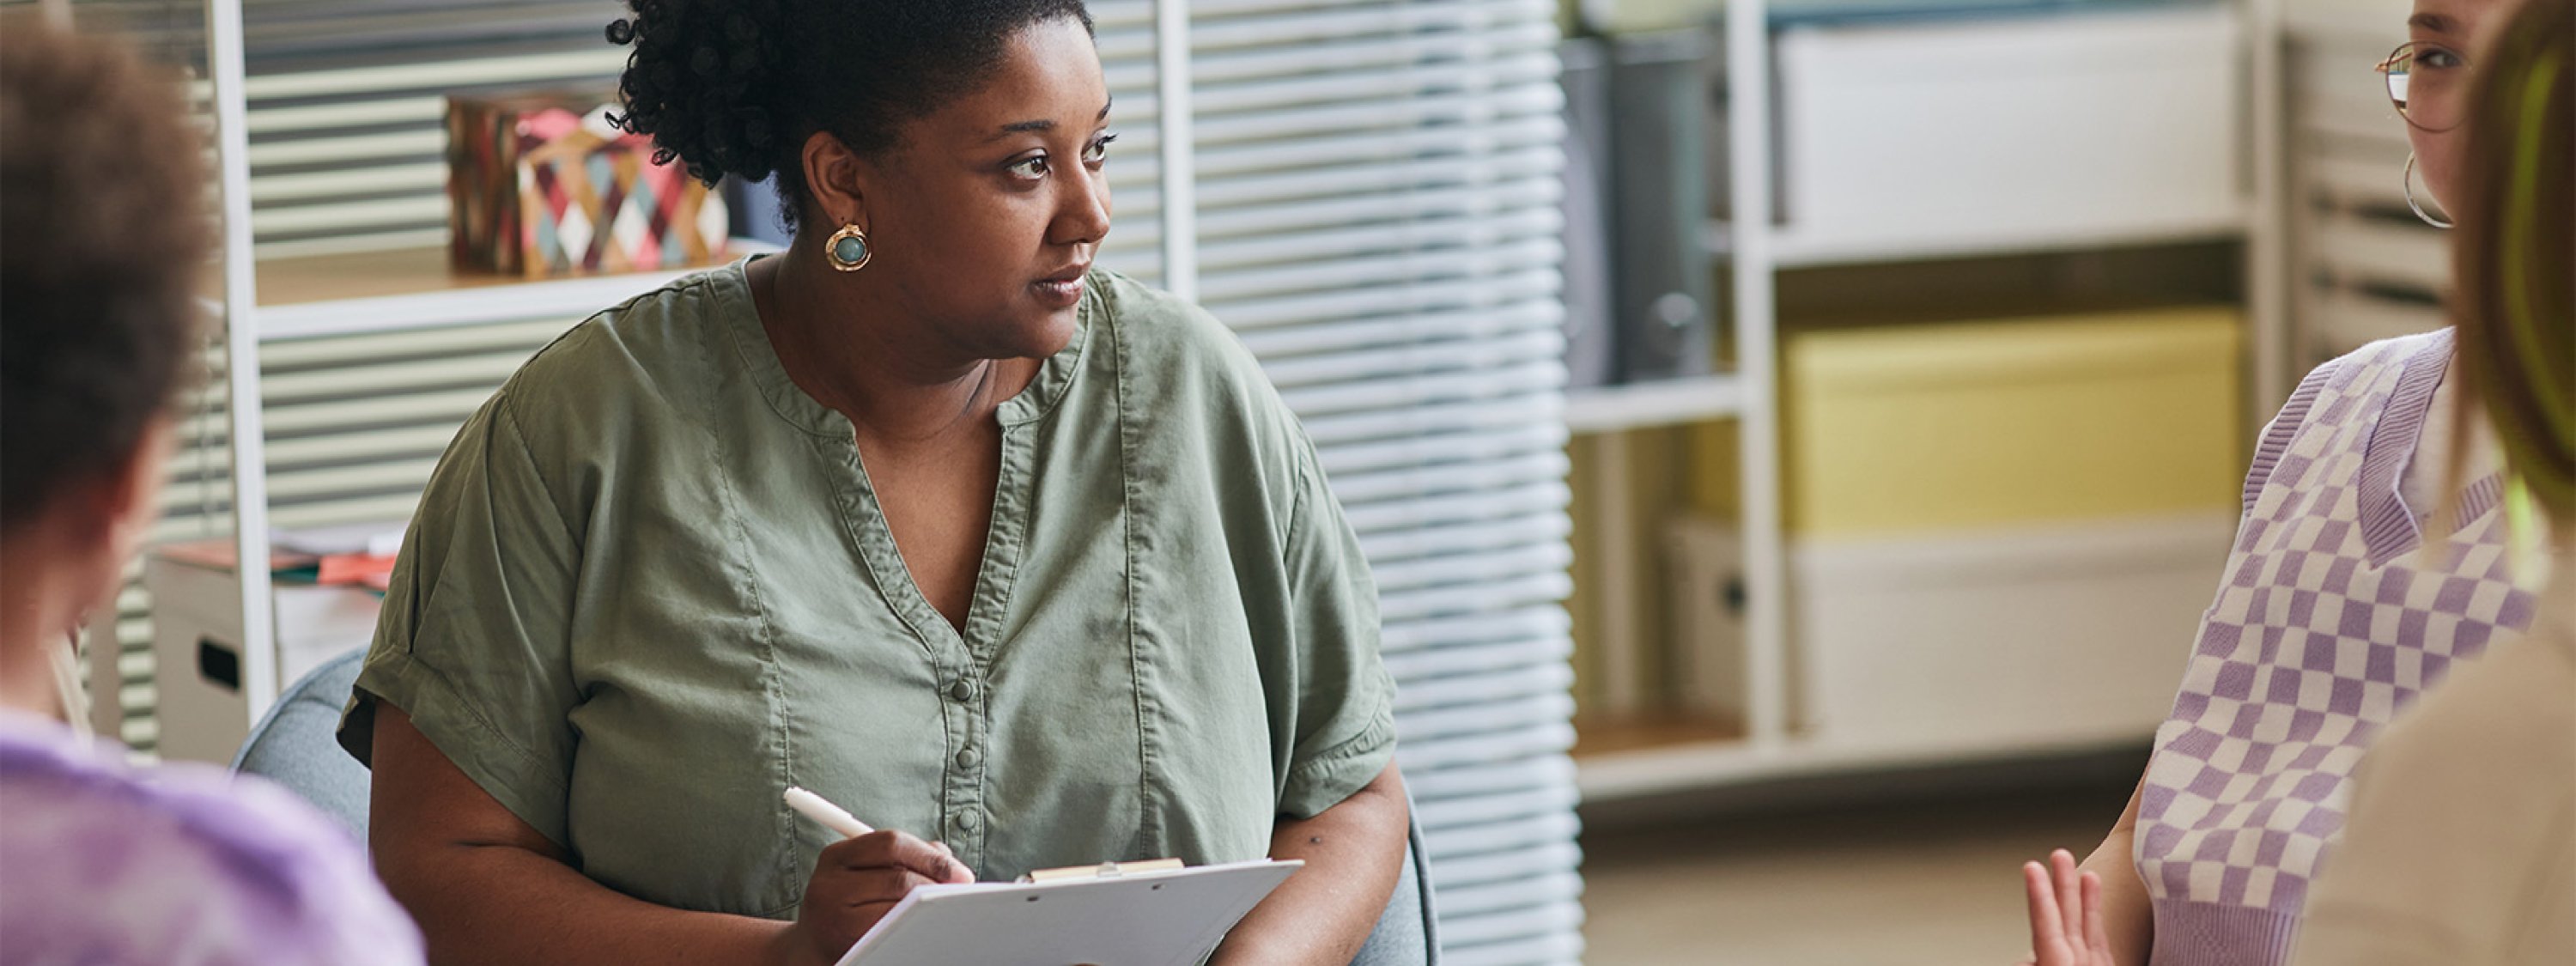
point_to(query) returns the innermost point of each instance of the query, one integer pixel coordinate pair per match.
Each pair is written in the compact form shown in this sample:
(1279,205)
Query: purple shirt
(2337,611)
(102,863)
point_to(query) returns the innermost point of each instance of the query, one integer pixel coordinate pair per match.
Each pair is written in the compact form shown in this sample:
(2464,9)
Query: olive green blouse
(649,588)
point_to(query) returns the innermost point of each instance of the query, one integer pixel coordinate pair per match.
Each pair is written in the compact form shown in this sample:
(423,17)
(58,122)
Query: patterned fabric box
(541,185)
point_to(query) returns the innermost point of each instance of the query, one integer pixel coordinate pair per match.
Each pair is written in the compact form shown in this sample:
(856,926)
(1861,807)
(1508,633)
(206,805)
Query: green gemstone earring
(848,249)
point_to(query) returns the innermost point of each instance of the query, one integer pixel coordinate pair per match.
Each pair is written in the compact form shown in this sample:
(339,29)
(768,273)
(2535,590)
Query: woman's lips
(1062,290)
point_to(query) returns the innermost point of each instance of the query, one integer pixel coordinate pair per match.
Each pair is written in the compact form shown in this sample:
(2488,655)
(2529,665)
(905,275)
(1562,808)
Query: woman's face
(2445,33)
(987,212)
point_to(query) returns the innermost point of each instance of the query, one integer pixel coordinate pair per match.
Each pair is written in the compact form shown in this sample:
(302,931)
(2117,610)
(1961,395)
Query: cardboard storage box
(1908,428)
(543,185)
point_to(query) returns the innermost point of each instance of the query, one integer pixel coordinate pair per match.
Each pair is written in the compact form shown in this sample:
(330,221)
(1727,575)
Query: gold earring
(848,249)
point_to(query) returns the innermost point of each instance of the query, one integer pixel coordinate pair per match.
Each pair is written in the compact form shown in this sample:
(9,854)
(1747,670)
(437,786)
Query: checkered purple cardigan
(2330,621)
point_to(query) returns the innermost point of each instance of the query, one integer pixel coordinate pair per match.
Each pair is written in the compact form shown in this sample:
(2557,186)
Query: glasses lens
(2398,69)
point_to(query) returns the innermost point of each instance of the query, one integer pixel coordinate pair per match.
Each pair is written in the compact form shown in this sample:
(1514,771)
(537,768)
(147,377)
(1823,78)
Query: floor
(1922,881)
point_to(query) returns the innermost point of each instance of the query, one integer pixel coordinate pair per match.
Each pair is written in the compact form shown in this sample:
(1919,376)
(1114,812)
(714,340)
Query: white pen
(832,816)
(837,819)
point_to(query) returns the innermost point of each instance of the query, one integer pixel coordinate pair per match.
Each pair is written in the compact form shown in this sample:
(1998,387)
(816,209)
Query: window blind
(1377,218)
(2363,267)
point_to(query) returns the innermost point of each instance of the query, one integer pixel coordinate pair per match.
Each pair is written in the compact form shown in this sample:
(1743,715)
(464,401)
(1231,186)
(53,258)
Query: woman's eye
(1098,151)
(2435,58)
(1031,168)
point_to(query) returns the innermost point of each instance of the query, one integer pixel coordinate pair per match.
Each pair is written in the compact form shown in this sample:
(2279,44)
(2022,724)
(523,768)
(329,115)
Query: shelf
(347,294)
(1694,765)
(1596,737)
(1789,249)
(1666,402)
(1619,758)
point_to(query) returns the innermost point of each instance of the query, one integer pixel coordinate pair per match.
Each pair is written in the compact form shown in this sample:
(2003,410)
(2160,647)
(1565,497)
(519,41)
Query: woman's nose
(1084,217)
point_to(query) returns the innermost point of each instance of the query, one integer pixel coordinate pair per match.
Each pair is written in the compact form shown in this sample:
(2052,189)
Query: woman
(2462,844)
(924,514)
(2338,608)
(100,862)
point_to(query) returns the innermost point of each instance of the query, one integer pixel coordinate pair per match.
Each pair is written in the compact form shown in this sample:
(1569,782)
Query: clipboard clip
(1105,870)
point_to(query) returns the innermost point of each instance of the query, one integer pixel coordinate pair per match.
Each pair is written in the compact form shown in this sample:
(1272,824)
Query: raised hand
(2065,914)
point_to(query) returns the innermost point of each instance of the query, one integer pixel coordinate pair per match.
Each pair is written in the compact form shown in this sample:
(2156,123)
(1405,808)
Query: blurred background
(1795,440)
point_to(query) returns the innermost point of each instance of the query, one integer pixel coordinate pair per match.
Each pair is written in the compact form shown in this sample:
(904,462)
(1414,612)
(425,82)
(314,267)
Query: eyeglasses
(2428,83)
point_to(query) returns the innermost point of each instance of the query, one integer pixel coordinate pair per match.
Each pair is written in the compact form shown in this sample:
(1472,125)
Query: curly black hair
(103,238)
(735,87)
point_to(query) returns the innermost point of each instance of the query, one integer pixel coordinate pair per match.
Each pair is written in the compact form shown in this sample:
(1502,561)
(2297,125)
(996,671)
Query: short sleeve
(1344,717)
(474,639)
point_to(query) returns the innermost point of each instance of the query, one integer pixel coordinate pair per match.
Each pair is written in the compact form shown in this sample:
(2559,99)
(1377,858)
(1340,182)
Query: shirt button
(969,757)
(968,821)
(961,690)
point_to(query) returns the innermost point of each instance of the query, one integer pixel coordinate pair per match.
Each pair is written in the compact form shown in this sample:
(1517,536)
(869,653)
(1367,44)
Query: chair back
(294,744)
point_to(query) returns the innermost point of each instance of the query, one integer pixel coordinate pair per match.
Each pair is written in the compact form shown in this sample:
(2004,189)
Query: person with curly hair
(102,862)
(1017,559)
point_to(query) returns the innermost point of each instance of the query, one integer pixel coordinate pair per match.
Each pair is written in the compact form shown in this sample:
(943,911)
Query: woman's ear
(131,502)
(835,179)
(98,523)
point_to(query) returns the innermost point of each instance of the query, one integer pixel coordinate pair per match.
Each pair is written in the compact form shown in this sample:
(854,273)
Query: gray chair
(293,745)
(1408,933)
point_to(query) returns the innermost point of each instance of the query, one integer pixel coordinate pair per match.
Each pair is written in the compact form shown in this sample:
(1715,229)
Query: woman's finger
(858,887)
(855,921)
(2070,897)
(895,849)
(2045,938)
(2097,935)
(959,874)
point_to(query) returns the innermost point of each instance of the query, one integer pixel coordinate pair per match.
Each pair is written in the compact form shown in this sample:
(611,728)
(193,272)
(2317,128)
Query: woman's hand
(2065,914)
(856,882)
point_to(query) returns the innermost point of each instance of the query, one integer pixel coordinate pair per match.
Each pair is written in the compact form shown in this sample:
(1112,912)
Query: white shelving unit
(1662,403)
(1790,251)
(321,297)
(1766,746)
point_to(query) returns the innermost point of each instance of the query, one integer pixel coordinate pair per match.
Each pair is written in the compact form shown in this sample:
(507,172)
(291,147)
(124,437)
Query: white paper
(1151,919)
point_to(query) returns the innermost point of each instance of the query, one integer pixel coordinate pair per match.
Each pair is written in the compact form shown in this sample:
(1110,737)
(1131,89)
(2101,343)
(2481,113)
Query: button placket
(964,825)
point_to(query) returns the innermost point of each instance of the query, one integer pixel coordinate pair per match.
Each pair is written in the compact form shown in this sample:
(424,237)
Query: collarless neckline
(739,314)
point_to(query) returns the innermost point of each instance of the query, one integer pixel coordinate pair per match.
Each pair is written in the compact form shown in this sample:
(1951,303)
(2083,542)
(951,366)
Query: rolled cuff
(1337,773)
(530,787)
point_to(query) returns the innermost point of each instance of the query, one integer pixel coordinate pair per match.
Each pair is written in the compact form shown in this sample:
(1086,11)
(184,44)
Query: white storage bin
(1994,132)
(1992,642)
(2005,641)
(197,656)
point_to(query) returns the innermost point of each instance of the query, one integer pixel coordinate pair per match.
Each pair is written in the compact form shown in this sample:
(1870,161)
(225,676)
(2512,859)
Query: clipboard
(1144,914)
